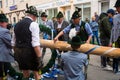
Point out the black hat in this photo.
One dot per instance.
(117, 4)
(59, 15)
(3, 18)
(32, 10)
(76, 41)
(43, 14)
(75, 15)
(111, 11)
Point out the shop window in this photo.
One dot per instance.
(21, 0)
(104, 6)
(55, 12)
(6, 3)
(86, 13)
(68, 15)
(52, 13)
(0, 4)
(13, 2)
(14, 19)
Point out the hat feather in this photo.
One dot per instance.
(78, 9)
(27, 6)
(72, 33)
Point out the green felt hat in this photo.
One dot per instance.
(31, 10)
(3, 18)
(117, 4)
(59, 15)
(43, 14)
(75, 41)
(75, 15)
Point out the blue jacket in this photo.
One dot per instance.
(94, 25)
(73, 63)
(5, 46)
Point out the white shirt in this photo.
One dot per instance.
(60, 25)
(34, 28)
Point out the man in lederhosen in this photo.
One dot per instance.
(27, 44)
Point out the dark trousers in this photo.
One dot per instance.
(104, 60)
(115, 64)
(43, 52)
(4, 66)
(116, 60)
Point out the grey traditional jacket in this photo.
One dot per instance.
(5, 46)
(73, 63)
(64, 25)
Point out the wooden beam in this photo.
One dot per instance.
(93, 49)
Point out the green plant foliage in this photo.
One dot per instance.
(45, 29)
(50, 63)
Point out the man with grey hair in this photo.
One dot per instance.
(27, 44)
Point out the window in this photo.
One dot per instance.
(86, 13)
(68, 15)
(6, 3)
(0, 4)
(21, 0)
(13, 2)
(52, 13)
(55, 12)
(14, 19)
(104, 6)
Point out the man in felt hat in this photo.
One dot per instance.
(5, 47)
(60, 24)
(115, 33)
(5, 50)
(73, 61)
(27, 44)
(49, 24)
(78, 27)
(45, 21)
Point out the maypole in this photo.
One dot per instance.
(85, 48)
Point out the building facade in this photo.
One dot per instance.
(89, 7)
(15, 9)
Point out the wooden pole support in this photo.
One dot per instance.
(93, 49)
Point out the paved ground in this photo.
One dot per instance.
(95, 72)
